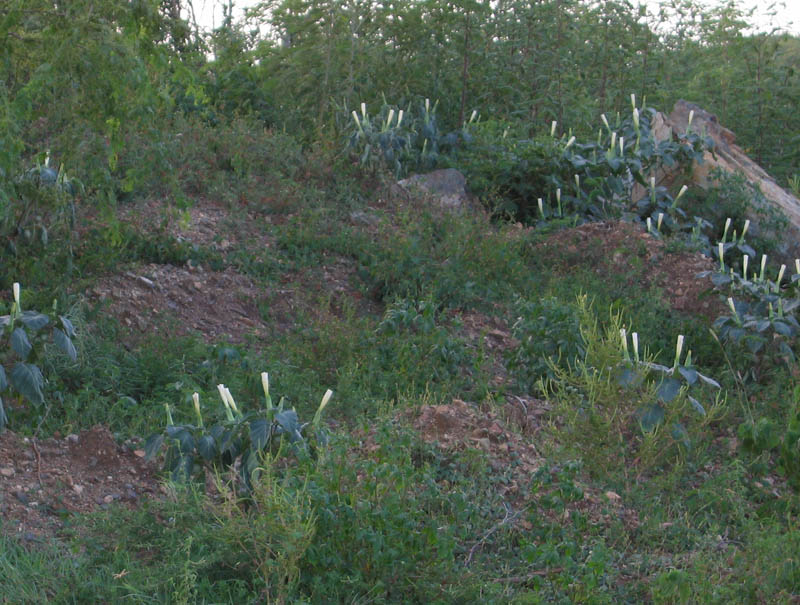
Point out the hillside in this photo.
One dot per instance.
(575, 385)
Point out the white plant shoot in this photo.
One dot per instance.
(746, 227)
(763, 266)
(678, 349)
(633, 100)
(660, 220)
(680, 194)
(623, 334)
(553, 125)
(196, 401)
(745, 262)
(622, 145)
(649, 225)
(635, 339)
(569, 143)
(364, 110)
(797, 265)
(725, 231)
(399, 118)
(541, 207)
(780, 276)
(636, 118)
(721, 251)
(605, 121)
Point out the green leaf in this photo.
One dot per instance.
(3, 417)
(783, 328)
(289, 424)
(183, 437)
(650, 416)
(259, 433)
(20, 343)
(690, 374)
(709, 381)
(3, 379)
(698, 407)
(153, 445)
(68, 327)
(34, 321)
(28, 381)
(681, 435)
(207, 447)
(668, 390)
(182, 470)
(64, 343)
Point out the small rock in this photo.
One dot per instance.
(72, 438)
(613, 496)
(78, 489)
(21, 497)
(108, 499)
(7, 472)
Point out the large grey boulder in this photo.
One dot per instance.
(447, 188)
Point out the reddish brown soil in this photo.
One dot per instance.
(625, 249)
(218, 305)
(44, 481)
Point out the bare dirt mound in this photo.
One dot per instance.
(624, 249)
(219, 305)
(208, 223)
(42, 482)
(459, 426)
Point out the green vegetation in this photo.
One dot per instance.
(539, 403)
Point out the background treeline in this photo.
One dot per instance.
(100, 83)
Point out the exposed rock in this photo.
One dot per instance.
(730, 158)
(447, 188)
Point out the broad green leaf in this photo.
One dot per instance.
(259, 433)
(207, 447)
(650, 416)
(28, 381)
(183, 437)
(20, 343)
(153, 445)
(690, 374)
(681, 435)
(64, 343)
(3, 379)
(4, 320)
(698, 407)
(783, 328)
(629, 377)
(182, 471)
(3, 417)
(34, 321)
(289, 424)
(720, 279)
(709, 381)
(668, 390)
(68, 327)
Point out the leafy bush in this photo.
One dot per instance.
(240, 439)
(763, 312)
(546, 177)
(620, 408)
(550, 337)
(22, 331)
(414, 140)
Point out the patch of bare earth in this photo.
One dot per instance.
(507, 438)
(43, 482)
(208, 223)
(490, 333)
(623, 249)
(218, 305)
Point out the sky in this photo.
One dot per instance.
(209, 12)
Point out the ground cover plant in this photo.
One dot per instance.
(569, 394)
